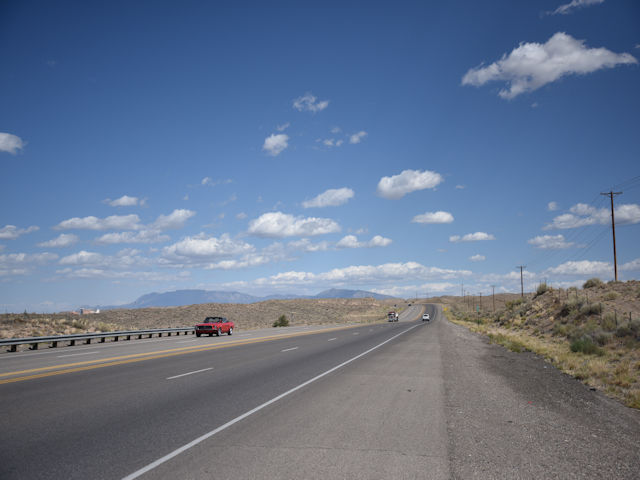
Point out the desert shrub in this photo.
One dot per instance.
(511, 304)
(542, 288)
(283, 321)
(624, 331)
(610, 296)
(592, 282)
(602, 338)
(591, 309)
(609, 322)
(585, 345)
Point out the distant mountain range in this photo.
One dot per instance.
(193, 297)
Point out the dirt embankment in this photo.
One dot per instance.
(245, 316)
(591, 333)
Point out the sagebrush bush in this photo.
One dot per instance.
(542, 288)
(609, 322)
(585, 345)
(283, 321)
(610, 296)
(592, 282)
(591, 309)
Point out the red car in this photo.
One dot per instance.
(217, 325)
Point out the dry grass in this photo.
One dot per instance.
(551, 323)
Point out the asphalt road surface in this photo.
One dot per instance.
(407, 399)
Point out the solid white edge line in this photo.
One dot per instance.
(332, 339)
(289, 349)
(204, 437)
(189, 373)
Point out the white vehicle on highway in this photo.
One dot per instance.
(426, 317)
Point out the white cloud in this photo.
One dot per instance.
(210, 182)
(351, 241)
(573, 5)
(206, 181)
(477, 258)
(283, 127)
(275, 144)
(305, 245)
(533, 65)
(330, 198)
(582, 215)
(114, 222)
(362, 275)
(26, 259)
(408, 291)
(10, 143)
(550, 242)
(335, 130)
(278, 224)
(309, 103)
(143, 236)
(408, 181)
(61, 241)
(241, 216)
(471, 237)
(631, 266)
(202, 247)
(460, 187)
(433, 217)
(552, 206)
(124, 201)
(582, 267)
(174, 220)
(11, 232)
(357, 137)
(82, 258)
(332, 142)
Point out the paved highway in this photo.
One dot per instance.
(393, 400)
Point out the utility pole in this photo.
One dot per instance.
(493, 296)
(521, 267)
(613, 229)
(480, 300)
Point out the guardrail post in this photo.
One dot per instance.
(72, 343)
(128, 337)
(103, 339)
(53, 345)
(14, 348)
(159, 334)
(115, 339)
(34, 346)
(87, 341)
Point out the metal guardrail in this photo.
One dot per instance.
(87, 337)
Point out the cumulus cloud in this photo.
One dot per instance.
(10, 143)
(582, 267)
(361, 275)
(477, 258)
(142, 236)
(471, 237)
(357, 137)
(26, 259)
(309, 103)
(550, 242)
(631, 266)
(275, 144)
(552, 206)
(124, 201)
(202, 247)
(174, 220)
(533, 65)
(113, 222)
(278, 225)
(283, 127)
(332, 142)
(574, 5)
(433, 217)
(305, 245)
(351, 241)
(11, 232)
(82, 258)
(331, 198)
(397, 186)
(61, 241)
(582, 215)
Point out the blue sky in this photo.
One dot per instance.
(290, 147)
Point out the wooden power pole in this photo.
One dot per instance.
(610, 194)
(521, 267)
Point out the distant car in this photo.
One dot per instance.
(217, 325)
(426, 317)
(392, 316)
